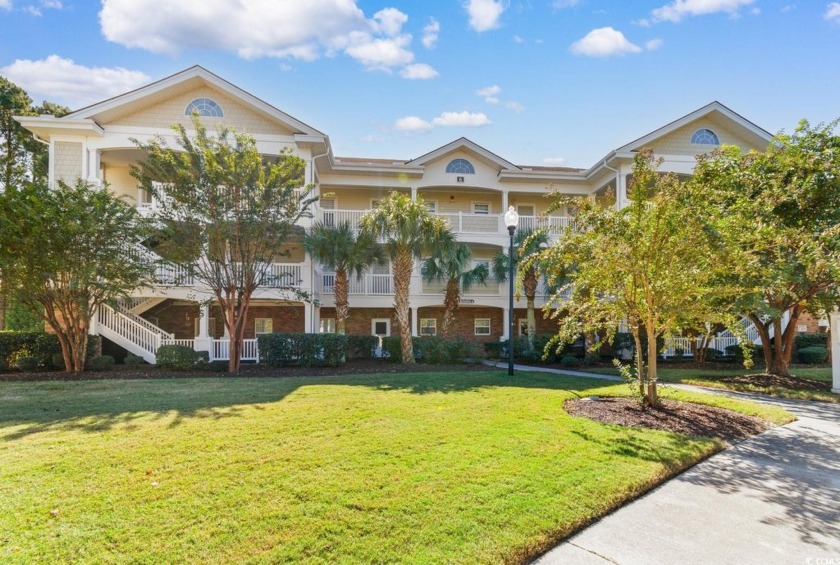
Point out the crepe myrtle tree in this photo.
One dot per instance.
(651, 264)
(65, 252)
(225, 212)
(782, 224)
(407, 231)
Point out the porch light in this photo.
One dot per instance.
(511, 221)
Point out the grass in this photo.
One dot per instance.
(418, 468)
(711, 378)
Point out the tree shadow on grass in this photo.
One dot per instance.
(96, 406)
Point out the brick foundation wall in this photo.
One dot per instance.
(179, 319)
(359, 321)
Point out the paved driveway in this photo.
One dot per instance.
(771, 499)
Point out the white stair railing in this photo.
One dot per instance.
(146, 323)
(127, 333)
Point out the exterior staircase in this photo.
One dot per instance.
(128, 330)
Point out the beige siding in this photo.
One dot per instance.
(354, 198)
(68, 161)
(679, 141)
(171, 111)
(455, 200)
(121, 182)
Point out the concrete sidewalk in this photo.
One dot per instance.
(774, 498)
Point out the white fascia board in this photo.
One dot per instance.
(59, 126)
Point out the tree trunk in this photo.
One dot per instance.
(529, 285)
(450, 302)
(4, 301)
(764, 335)
(652, 398)
(640, 361)
(342, 302)
(403, 266)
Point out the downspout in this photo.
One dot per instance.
(617, 187)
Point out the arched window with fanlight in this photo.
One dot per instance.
(205, 107)
(460, 167)
(704, 136)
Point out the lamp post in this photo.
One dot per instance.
(511, 221)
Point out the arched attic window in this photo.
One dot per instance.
(460, 167)
(205, 107)
(704, 136)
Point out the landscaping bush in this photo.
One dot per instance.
(391, 348)
(305, 350)
(101, 363)
(133, 360)
(57, 361)
(361, 346)
(493, 349)
(713, 355)
(804, 341)
(217, 366)
(813, 354)
(178, 357)
(26, 363)
(570, 361)
(735, 353)
(41, 345)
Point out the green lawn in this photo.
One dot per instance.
(711, 378)
(455, 467)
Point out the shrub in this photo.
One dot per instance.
(57, 361)
(569, 361)
(217, 366)
(133, 360)
(391, 348)
(813, 355)
(591, 358)
(809, 340)
(430, 349)
(305, 350)
(735, 352)
(493, 349)
(26, 363)
(361, 346)
(101, 363)
(40, 345)
(177, 357)
(713, 354)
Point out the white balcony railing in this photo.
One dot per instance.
(464, 222)
(378, 285)
(491, 288)
(554, 224)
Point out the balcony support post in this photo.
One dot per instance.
(203, 341)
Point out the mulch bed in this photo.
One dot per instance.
(768, 381)
(356, 367)
(679, 417)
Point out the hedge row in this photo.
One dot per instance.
(41, 346)
(304, 350)
(810, 340)
(432, 350)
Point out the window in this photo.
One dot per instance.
(428, 326)
(327, 325)
(205, 107)
(460, 167)
(481, 207)
(482, 326)
(705, 136)
(263, 326)
(431, 205)
(327, 206)
(526, 209)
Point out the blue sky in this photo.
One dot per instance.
(540, 82)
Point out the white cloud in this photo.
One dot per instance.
(515, 106)
(489, 93)
(389, 21)
(789, 7)
(484, 14)
(603, 42)
(679, 9)
(554, 161)
(560, 4)
(6, 4)
(653, 44)
(35, 9)
(430, 34)
(462, 119)
(419, 71)
(62, 80)
(518, 39)
(261, 28)
(412, 123)
(832, 13)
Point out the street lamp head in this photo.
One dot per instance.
(511, 219)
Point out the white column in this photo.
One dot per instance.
(93, 165)
(504, 202)
(834, 322)
(414, 321)
(414, 193)
(203, 342)
(506, 324)
(307, 319)
(316, 318)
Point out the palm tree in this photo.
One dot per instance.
(450, 262)
(340, 249)
(407, 229)
(526, 242)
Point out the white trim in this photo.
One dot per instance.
(476, 327)
(481, 203)
(433, 203)
(433, 326)
(264, 320)
(459, 144)
(373, 323)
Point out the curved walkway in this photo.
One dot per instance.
(774, 498)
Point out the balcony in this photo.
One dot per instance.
(280, 275)
(460, 222)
